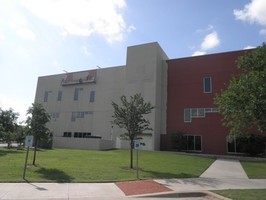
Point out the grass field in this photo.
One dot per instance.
(255, 170)
(96, 166)
(243, 194)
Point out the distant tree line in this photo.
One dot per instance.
(12, 131)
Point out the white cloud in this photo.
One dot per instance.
(253, 12)
(249, 47)
(85, 50)
(198, 53)
(82, 17)
(263, 32)
(210, 41)
(131, 28)
(208, 28)
(26, 34)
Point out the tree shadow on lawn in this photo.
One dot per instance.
(162, 175)
(55, 175)
(4, 151)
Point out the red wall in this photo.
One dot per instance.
(185, 90)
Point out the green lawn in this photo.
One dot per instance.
(255, 169)
(97, 166)
(243, 194)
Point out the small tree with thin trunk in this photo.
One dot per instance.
(130, 117)
(37, 124)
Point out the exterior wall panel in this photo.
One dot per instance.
(186, 90)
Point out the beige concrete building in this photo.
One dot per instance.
(80, 102)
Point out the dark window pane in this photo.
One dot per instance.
(190, 142)
(201, 112)
(207, 85)
(231, 144)
(59, 96)
(198, 143)
(45, 99)
(92, 96)
(187, 115)
(194, 112)
(76, 94)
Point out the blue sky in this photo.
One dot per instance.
(44, 37)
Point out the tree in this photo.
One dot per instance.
(20, 135)
(130, 117)
(8, 124)
(243, 103)
(37, 124)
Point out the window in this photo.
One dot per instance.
(82, 135)
(45, 99)
(236, 144)
(197, 143)
(67, 134)
(59, 95)
(187, 115)
(193, 142)
(92, 96)
(198, 112)
(76, 93)
(46, 94)
(81, 114)
(54, 115)
(207, 85)
(201, 112)
(77, 135)
(86, 135)
(190, 113)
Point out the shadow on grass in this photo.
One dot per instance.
(55, 175)
(156, 174)
(4, 151)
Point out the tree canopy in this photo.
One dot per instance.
(243, 103)
(130, 116)
(8, 125)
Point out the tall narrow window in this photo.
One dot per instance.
(207, 85)
(46, 94)
(92, 96)
(76, 93)
(45, 99)
(59, 95)
(187, 115)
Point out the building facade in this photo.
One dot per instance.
(80, 102)
(192, 85)
(182, 91)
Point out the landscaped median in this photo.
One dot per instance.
(62, 165)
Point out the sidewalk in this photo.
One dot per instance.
(222, 174)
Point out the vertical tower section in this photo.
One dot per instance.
(146, 73)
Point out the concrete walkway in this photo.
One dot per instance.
(222, 174)
(222, 169)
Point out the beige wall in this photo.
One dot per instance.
(85, 144)
(145, 72)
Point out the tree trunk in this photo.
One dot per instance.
(35, 149)
(131, 153)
